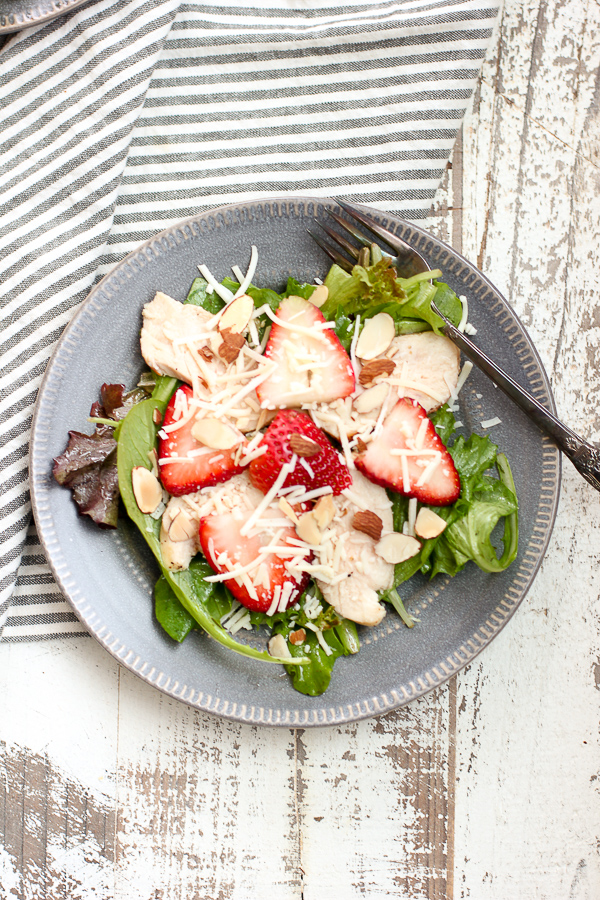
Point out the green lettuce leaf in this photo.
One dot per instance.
(469, 537)
(377, 288)
(365, 288)
(297, 289)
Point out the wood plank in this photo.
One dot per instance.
(527, 817)
(56, 839)
(207, 807)
(374, 805)
(57, 813)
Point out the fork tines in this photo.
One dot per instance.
(333, 254)
(408, 261)
(369, 225)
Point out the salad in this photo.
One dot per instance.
(291, 459)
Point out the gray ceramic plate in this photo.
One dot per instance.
(109, 576)
(18, 14)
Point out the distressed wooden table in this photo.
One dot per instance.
(485, 789)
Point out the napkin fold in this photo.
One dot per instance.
(121, 118)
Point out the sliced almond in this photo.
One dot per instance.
(147, 489)
(231, 346)
(373, 369)
(215, 434)
(428, 524)
(182, 528)
(368, 522)
(298, 637)
(157, 416)
(396, 548)
(237, 315)
(304, 446)
(277, 646)
(376, 336)
(264, 417)
(319, 295)
(372, 398)
(206, 353)
(153, 457)
(307, 528)
(288, 510)
(324, 511)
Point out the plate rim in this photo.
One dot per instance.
(27, 18)
(287, 717)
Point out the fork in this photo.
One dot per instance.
(407, 261)
(584, 456)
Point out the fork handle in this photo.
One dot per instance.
(584, 456)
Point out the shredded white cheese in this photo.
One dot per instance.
(412, 515)
(314, 332)
(465, 372)
(275, 602)
(465, 313)
(285, 470)
(353, 359)
(429, 470)
(223, 292)
(249, 274)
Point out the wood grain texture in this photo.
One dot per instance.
(57, 841)
(527, 817)
(487, 788)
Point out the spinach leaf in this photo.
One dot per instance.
(169, 612)
(340, 635)
(199, 296)
(259, 295)
(314, 677)
(174, 617)
(136, 438)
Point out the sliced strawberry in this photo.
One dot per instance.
(202, 470)
(430, 475)
(320, 469)
(311, 367)
(220, 535)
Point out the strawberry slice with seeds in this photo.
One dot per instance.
(409, 457)
(312, 365)
(319, 463)
(194, 464)
(267, 579)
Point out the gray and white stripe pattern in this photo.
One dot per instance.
(125, 117)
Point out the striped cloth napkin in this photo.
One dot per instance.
(124, 116)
